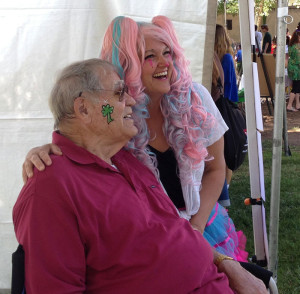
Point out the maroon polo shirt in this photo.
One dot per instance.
(89, 228)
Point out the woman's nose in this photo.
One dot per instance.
(163, 61)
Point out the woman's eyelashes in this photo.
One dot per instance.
(149, 56)
(153, 56)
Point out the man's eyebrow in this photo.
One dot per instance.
(118, 85)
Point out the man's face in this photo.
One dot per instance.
(112, 113)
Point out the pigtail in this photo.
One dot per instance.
(120, 47)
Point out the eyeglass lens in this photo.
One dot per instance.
(122, 93)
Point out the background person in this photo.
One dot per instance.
(267, 40)
(294, 71)
(238, 57)
(274, 45)
(258, 39)
(217, 87)
(288, 81)
(225, 54)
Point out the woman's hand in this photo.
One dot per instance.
(38, 157)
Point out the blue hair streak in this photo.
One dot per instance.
(115, 47)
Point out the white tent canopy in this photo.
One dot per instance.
(38, 37)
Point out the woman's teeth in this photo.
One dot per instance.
(161, 74)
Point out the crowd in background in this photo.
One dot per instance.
(265, 44)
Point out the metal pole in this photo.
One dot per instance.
(287, 150)
(282, 11)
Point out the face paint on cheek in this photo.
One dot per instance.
(150, 62)
(107, 110)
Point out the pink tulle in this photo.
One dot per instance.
(241, 254)
(221, 234)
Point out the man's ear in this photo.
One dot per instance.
(82, 109)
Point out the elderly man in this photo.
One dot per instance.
(97, 220)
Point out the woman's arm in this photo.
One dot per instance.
(38, 157)
(212, 184)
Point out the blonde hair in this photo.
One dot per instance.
(222, 42)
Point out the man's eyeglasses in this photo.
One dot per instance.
(119, 91)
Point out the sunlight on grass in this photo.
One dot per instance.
(289, 225)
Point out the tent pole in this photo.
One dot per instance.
(282, 11)
(245, 16)
(287, 150)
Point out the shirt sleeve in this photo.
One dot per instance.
(230, 87)
(220, 126)
(46, 226)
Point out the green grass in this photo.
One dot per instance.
(288, 275)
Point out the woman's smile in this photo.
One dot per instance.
(157, 68)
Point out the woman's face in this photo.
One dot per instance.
(157, 68)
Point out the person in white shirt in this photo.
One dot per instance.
(258, 37)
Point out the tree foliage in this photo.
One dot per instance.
(262, 7)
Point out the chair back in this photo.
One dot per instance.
(18, 271)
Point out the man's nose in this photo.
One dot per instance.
(129, 100)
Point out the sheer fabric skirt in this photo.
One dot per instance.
(221, 234)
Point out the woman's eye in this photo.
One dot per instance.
(167, 53)
(149, 56)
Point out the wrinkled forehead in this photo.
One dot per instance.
(109, 78)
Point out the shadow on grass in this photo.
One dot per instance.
(289, 225)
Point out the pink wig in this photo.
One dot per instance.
(120, 47)
(186, 121)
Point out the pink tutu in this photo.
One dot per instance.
(221, 234)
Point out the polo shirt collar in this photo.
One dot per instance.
(77, 153)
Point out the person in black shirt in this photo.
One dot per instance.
(267, 40)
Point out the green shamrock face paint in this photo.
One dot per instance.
(107, 110)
